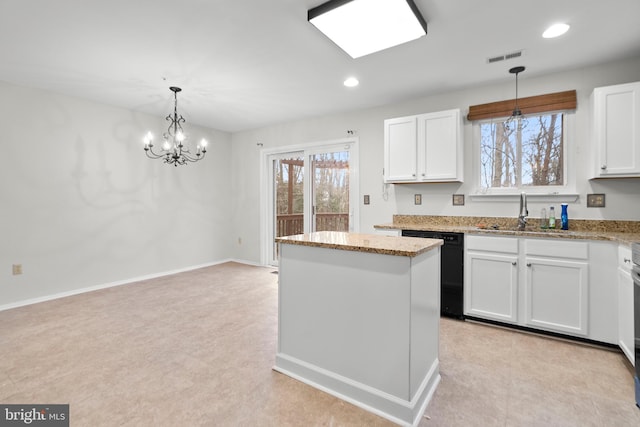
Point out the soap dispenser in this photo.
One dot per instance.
(564, 217)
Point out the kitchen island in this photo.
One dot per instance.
(358, 317)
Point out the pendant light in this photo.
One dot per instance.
(516, 114)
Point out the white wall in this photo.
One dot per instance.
(622, 196)
(82, 206)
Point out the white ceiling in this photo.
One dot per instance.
(245, 64)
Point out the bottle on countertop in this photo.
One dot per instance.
(564, 217)
(552, 217)
(543, 218)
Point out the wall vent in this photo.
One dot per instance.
(504, 57)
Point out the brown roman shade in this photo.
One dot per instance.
(534, 104)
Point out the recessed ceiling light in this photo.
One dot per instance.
(556, 30)
(351, 82)
(361, 27)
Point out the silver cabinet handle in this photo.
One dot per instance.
(603, 167)
(528, 264)
(514, 263)
(627, 260)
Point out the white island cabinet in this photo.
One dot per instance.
(358, 317)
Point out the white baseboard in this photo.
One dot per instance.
(116, 283)
(255, 264)
(400, 411)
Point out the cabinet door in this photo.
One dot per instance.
(491, 286)
(556, 295)
(439, 146)
(617, 130)
(400, 150)
(625, 314)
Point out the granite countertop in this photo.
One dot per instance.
(625, 232)
(358, 242)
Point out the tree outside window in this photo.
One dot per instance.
(530, 154)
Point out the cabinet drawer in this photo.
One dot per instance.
(557, 248)
(507, 245)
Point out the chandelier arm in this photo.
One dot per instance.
(153, 155)
(190, 158)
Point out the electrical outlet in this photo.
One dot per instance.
(17, 269)
(458, 200)
(367, 200)
(417, 199)
(595, 200)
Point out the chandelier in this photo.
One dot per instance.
(173, 151)
(516, 114)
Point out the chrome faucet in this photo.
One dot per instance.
(522, 217)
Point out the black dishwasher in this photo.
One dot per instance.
(451, 269)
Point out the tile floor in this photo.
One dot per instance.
(197, 349)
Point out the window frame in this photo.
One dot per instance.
(562, 191)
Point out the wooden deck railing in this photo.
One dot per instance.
(288, 225)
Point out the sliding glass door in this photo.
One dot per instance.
(310, 189)
(330, 191)
(288, 195)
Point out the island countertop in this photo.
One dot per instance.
(359, 242)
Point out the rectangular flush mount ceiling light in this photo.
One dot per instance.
(361, 27)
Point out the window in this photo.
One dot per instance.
(527, 155)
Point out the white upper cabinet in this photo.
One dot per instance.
(401, 149)
(616, 130)
(423, 148)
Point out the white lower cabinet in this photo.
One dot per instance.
(491, 278)
(557, 295)
(625, 304)
(537, 283)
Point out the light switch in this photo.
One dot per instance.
(595, 200)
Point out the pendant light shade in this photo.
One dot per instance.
(516, 115)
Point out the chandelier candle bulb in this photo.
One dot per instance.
(148, 138)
